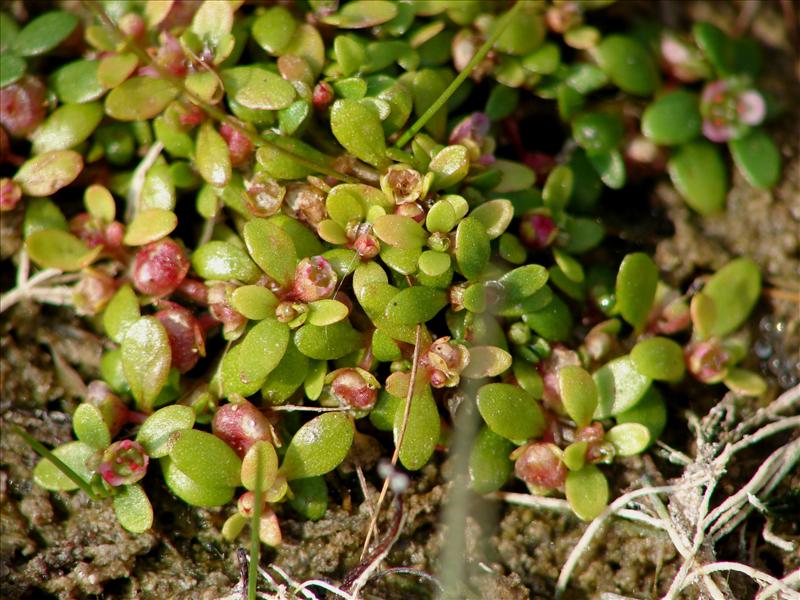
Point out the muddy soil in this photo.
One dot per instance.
(63, 546)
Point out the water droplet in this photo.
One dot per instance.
(762, 348)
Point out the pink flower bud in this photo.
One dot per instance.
(352, 388)
(239, 145)
(160, 267)
(367, 246)
(540, 464)
(221, 309)
(240, 425)
(314, 279)
(123, 463)
(186, 337)
(132, 25)
(560, 356)
(537, 231)
(707, 361)
(322, 96)
(23, 106)
(10, 194)
(445, 361)
(412, 210)
(91, 294)
(115, 413)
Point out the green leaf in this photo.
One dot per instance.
(45, 174)
(90, 427)
(319, 446)
(361, 14)
(574, 456)
(254, 302)
(133, 509)
(495, 215)
(269, 466)
(329, 342)
(673, 119)
(523, 34)
(149, 225)
(515, 176)
(449, 166)
(745, 382)
(56, 249)
(155, 434)
(735, 290)
(122, 310)
(434, 263)
(99, 203)
(489, 465)
(140, 98)
(44, 33)
(400, 231)
(545, 60)
(192, 492)
(309, 497)
(73, 454)
(619, 387)
(659, 358)
(12, 68)
(116, 68)
(246, 366)
(510, 411)
(472, 247)
(650, 411)
(274, 29)
(757, 158)
(558, 188)
(597, 132)
(502, 102)
(422, 431)
(486, 361)
(610, 167)
(146, 360)
(258, 88)
(553, 322)
(272, 249)
(699, 174)
(77, 81)
(326, 312)
(359, 130)
(523, 282)
(629, 439)
(67, 126)
(206, 459)
(223, 262)
(285, 379)
(213, 159)
(587, 492)
(629, 65)
(578, 394)
(636, 288)
(416, 304)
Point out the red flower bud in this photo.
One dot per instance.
(10, 194)
(537, 231)
(353, 389)
(240, 425)
(115, 413)
(186, 337)
(322, 96)
(160, 267)
(123, 463)
(314, 279)
(239, 145)
(22, 106)
(540, 464)
(707, 361)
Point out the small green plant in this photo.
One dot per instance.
(336, 210)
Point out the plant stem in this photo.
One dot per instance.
(451, 89)
(255, 540)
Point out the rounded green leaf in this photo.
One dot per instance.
(619, 387)
(133, 509)
(553, 321)
(472, 247)
(155, 434)
(254, 302)
(595, 132)
(319, 446)
(77, 81)
(745, 382)
(246, 366)
(76, 456)
(56, 249)
(587, 492)
(67, 126)
(258, 88)
(636, 288)
(400, 231)
(495, 215)
(515, 176)
(673, 119)
(523, 34)
(287, 377)
(629, 439)
(610, 167)
(522, 282)
(510, 411)
(558, 188)
(100, 203)
(423, 429)
(326, 312)
(192, 492)
(735, 289)
(699, 174)
(358, 129)
(441, 217)
(360, 14)
(44, 33)
(574, 456)
(757, 158)
(116, 68)
(486, 361)
(45, 174)
(489, 465)
(140, 98)
(659, 358)
(122, 310)
(434, 263)
(309, 497)
(650, 411)
(12, 68)
(146, 360)
(206, 459)
(416, 304)
(269, 466)
(223, 262)
(629, 65)
(449, 166)
(90, 427)
(271, 248)
(213, 159)
(149, 225)
(578, 394)
(274, 29)
(329, 342)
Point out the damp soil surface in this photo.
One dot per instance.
(58, 545)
